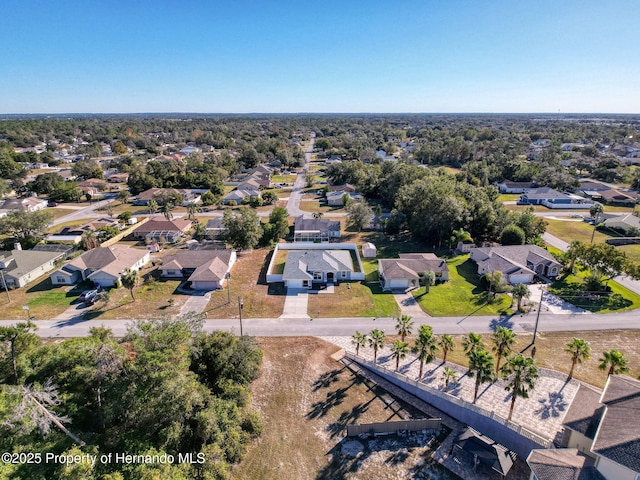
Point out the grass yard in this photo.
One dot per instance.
(509, 197)
(306, 399)
(58, 212)
(570, 231)
(283, 178)
(248, 280)
(43, 299)
(353, 300)
(462, 294)
(632, 251)
(317, 206)
(550, 351)
(570, 288)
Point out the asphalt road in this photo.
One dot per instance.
(293, 204)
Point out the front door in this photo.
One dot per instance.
(330, 277)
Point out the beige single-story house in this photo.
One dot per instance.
(103, 265)
(205, 269)
(518, 263)
(404, 273)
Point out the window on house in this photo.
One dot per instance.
(60, 279)
(343, 274)
(317, 276)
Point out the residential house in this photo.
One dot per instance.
(204, 269)
(187, 196)
(507, 186)
(92, 186)
(616, 197)
(118, 178)
(551, 198)
(177, 226)
(344, 187)
(315, 230)
(518, 263)
(30, 204)
(336, 198)
(405, 272)
(250, 184)
(625, 222)
(214, 228)
(602, 432)
(303, 268)
(20, 267)
(103, 265)
(239, 195)
(74, 234)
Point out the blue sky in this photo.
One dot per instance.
(122, 56)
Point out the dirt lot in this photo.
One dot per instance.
(306, 399)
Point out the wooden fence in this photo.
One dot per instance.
(390, 427)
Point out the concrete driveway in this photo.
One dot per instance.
(295, 304)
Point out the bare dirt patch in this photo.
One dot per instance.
(306, 399)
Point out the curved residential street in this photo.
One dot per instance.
(293, 204)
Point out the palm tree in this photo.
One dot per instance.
(359, 340)
(428, 279)
(481, 367)
(521, 374)
(579, 351)
(495, 282)
(192, 210)
(575, 250)
(129, 280)
(399, 350)
(595, 209)
(318, 215)
(152, 206)
(425, 346)
(449, 375)
(446, 344)
(520, 291)
(376, 341)
(472, 342)
(123, 196)
(166, 210)
(404, 326)
(89, 241)
(615, 361)
(503, 339)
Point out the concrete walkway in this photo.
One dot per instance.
(408, 305)
(295, 303)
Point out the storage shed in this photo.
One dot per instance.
(369, 250)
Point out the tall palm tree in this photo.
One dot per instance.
(613, 360)
(192, 210)
(521, 374)
(520, 291)
(503, 339)
(446, 345)
(166, 210)
(404, 326)
(425, 346)
(376, 341)
(359, 340)
(449, 375)
(579, 350)
(399, 351)
(317, 215)
(472, 342)
(480, 367)
(129, 280)
(89, 241)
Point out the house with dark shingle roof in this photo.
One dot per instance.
(607, 446)
(205, 269)
(315, 230)
(404, 273)
(507, 186)
(518, 263)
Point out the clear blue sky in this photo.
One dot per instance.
(121, 56)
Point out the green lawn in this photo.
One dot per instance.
(570, 231)
(570, 288)
(462, 294)
(509, 197)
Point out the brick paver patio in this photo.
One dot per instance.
(542, 413)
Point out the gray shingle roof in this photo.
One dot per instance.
(316, 225)
(585, 411)
(562, 464)
(618, 437)
(300, 263)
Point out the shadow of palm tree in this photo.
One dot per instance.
(552, 406)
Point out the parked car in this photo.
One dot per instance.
(51, 203)
(576, 215)
(87, 294)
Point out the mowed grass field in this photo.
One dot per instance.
(462, 294)
(570, 231)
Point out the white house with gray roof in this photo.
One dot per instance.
(306, 267)
(518, 263)
(20, 267)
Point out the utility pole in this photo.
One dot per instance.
(228, 287)
(240, 306)
(535, 329)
